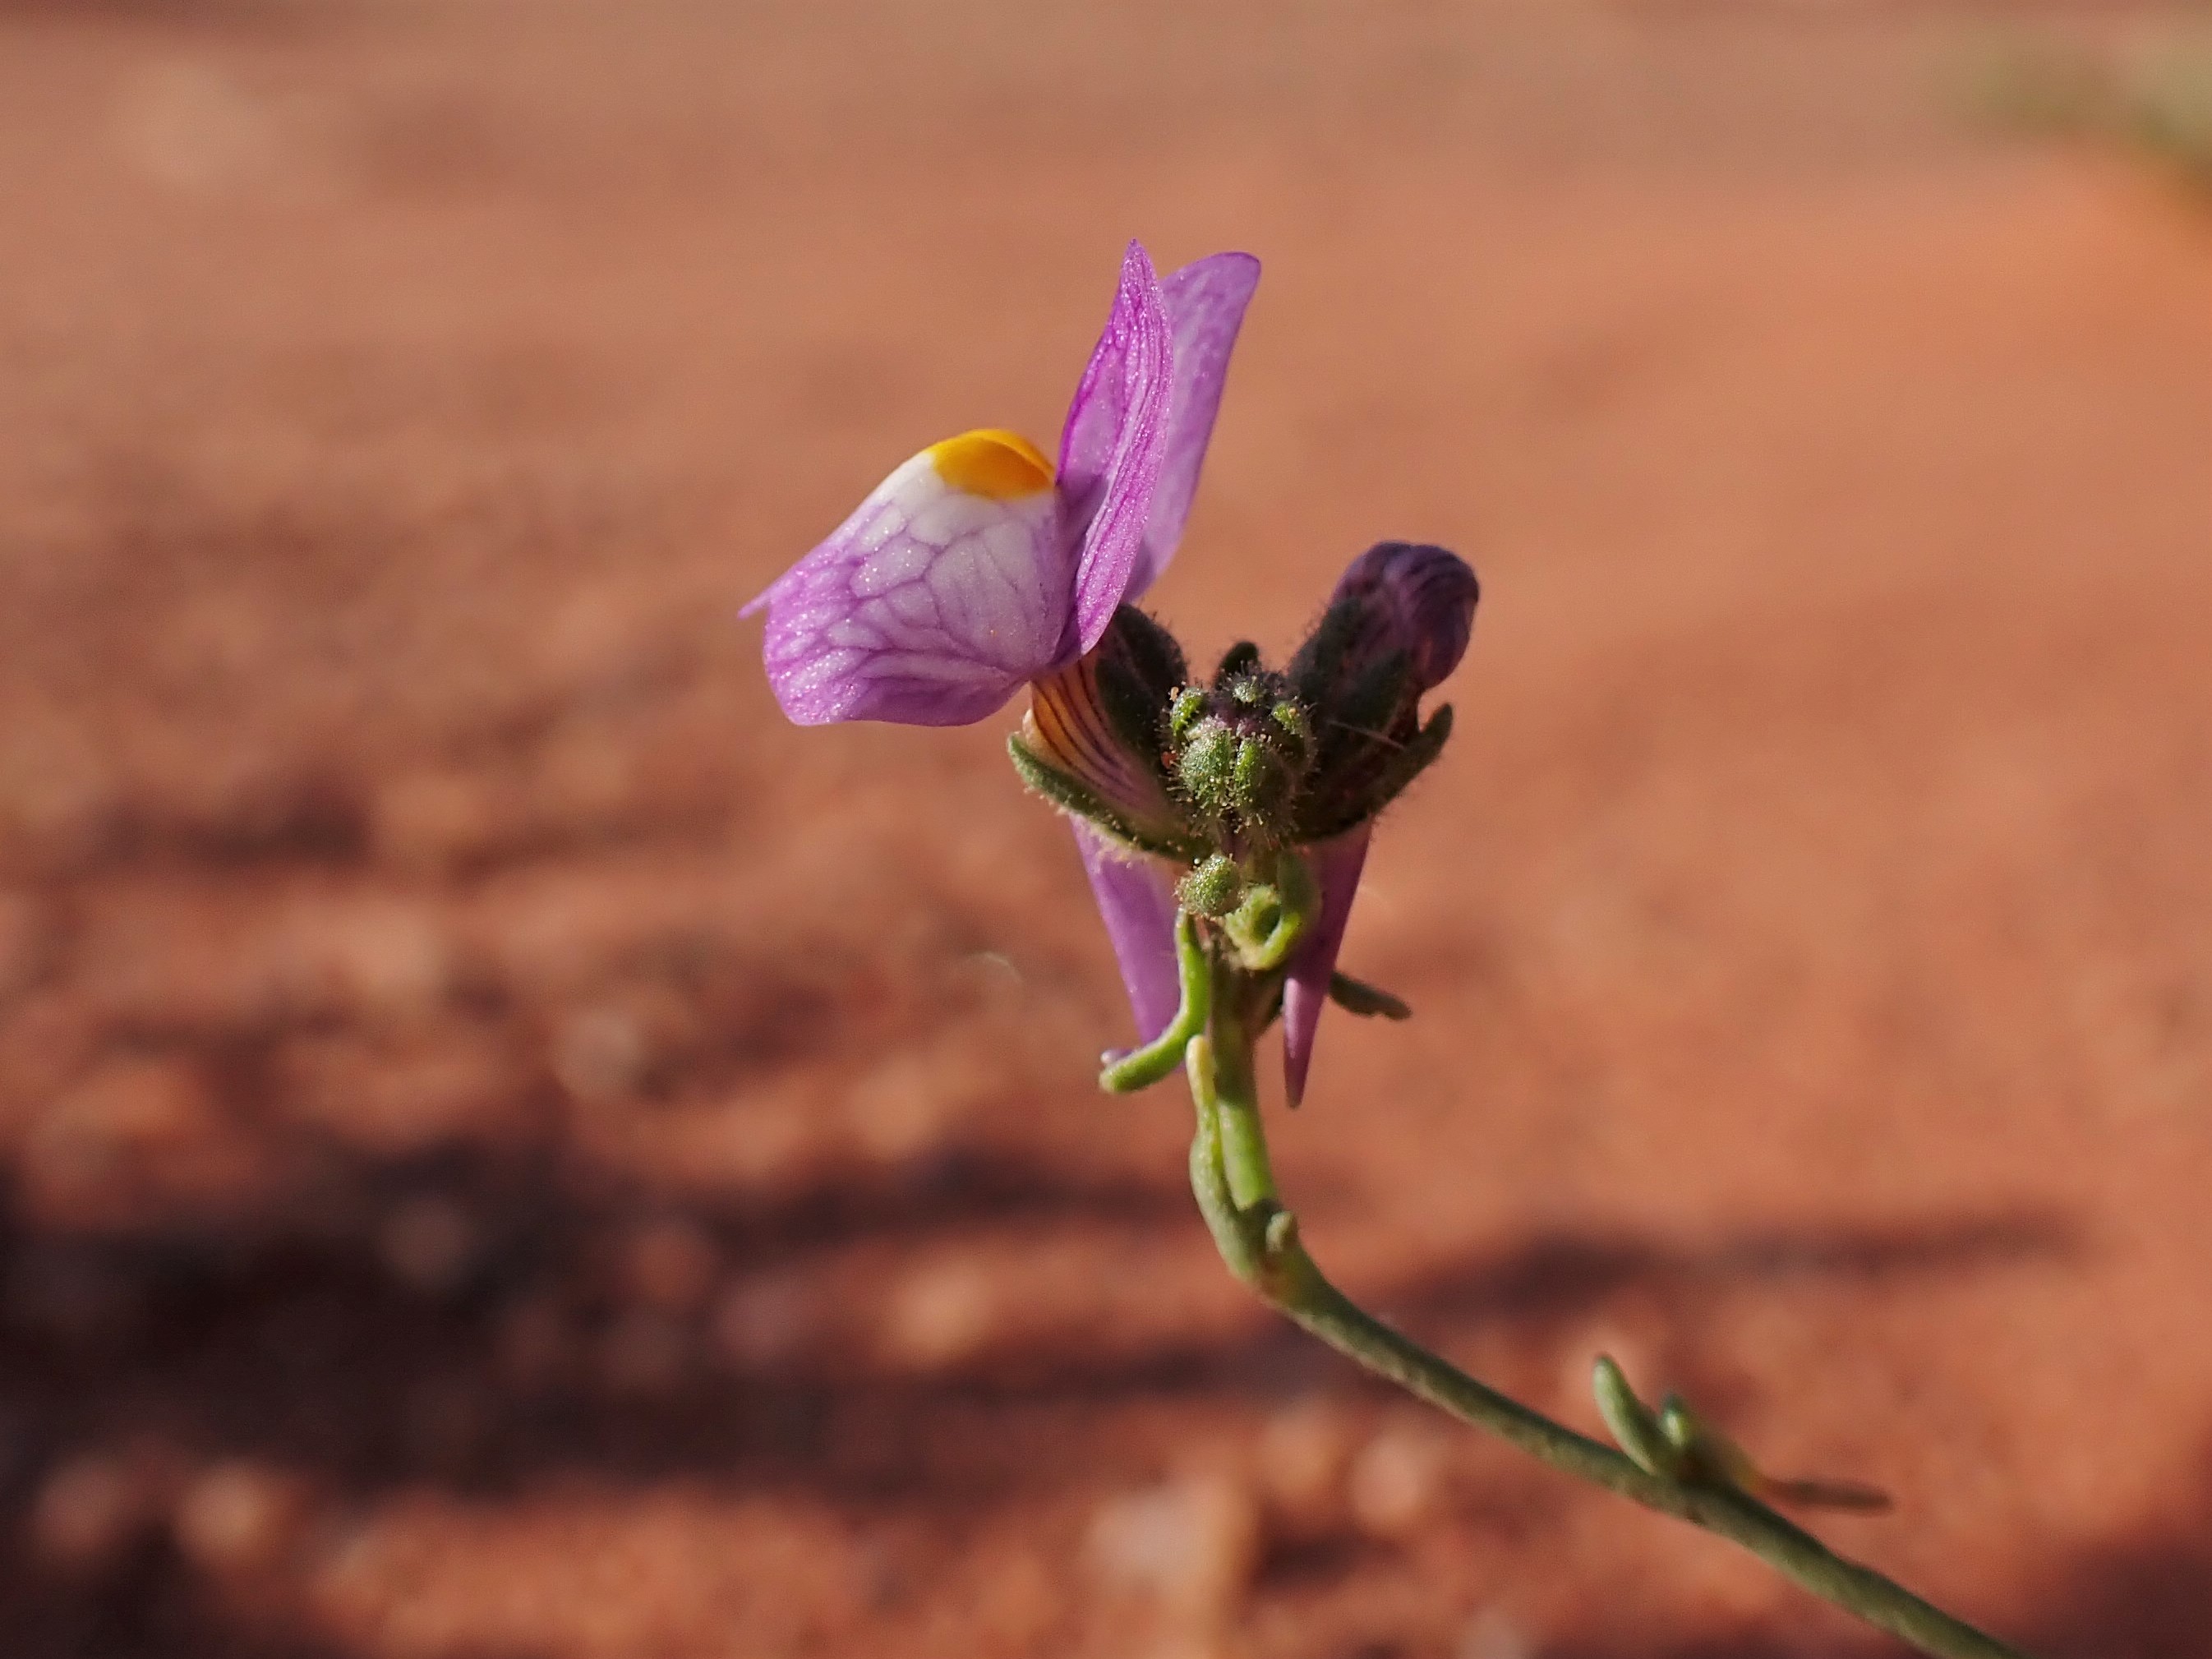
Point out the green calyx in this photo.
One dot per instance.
(1076, 798)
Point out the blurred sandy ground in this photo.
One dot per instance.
(514, 1152)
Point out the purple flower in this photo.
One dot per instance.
(1396, 626)
(976, 567)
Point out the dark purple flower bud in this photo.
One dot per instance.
(1397, 597)
(1397, 624)
(1421, 598)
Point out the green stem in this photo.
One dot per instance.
(1243, 1138)
(1258, 1241)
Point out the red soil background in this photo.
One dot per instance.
(512, 1151)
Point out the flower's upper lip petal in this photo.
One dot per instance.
(1113, 445)
(945, 591)
(1337, 864)
(1136, 901)
(1205, 302)
(1099, 410)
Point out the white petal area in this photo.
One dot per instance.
(952, 517)
(886, 523)
(894, 566)
(929, 606)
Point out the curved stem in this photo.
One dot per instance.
(1258, 1241)
(1142, 1068)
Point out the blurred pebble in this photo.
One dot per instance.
(671, 1264)
(1302, 1454)
(1491, 1635)
(375, 956)
(601, 1054)
(944, 1312)
(91, 1509)
(1396, 1481)
(1017, 1602)
(428, 1242)
(47, 1040)
(236, 1516)
(769, 1142)
(397, 1098)
(352, 1556)
(194, 129)
(59, 796)
(645, 1354)
(901, 1110)
(431, 821)
(127, 1112)
(766, 1320)
(1194, 1544)
(129, 1104)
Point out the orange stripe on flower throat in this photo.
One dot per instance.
(988, 462)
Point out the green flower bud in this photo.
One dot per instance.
(1241, 750)
(1207, 766)
(1215, 888)
(1185, 711)
(1262, 782)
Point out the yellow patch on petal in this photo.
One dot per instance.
(999, 466)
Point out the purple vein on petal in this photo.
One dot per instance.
(1068, 726)
(945, 591)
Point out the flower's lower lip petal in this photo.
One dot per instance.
(1137, 902)
(1336, 866)
(948, 588)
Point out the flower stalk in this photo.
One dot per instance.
(1673, 1464)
